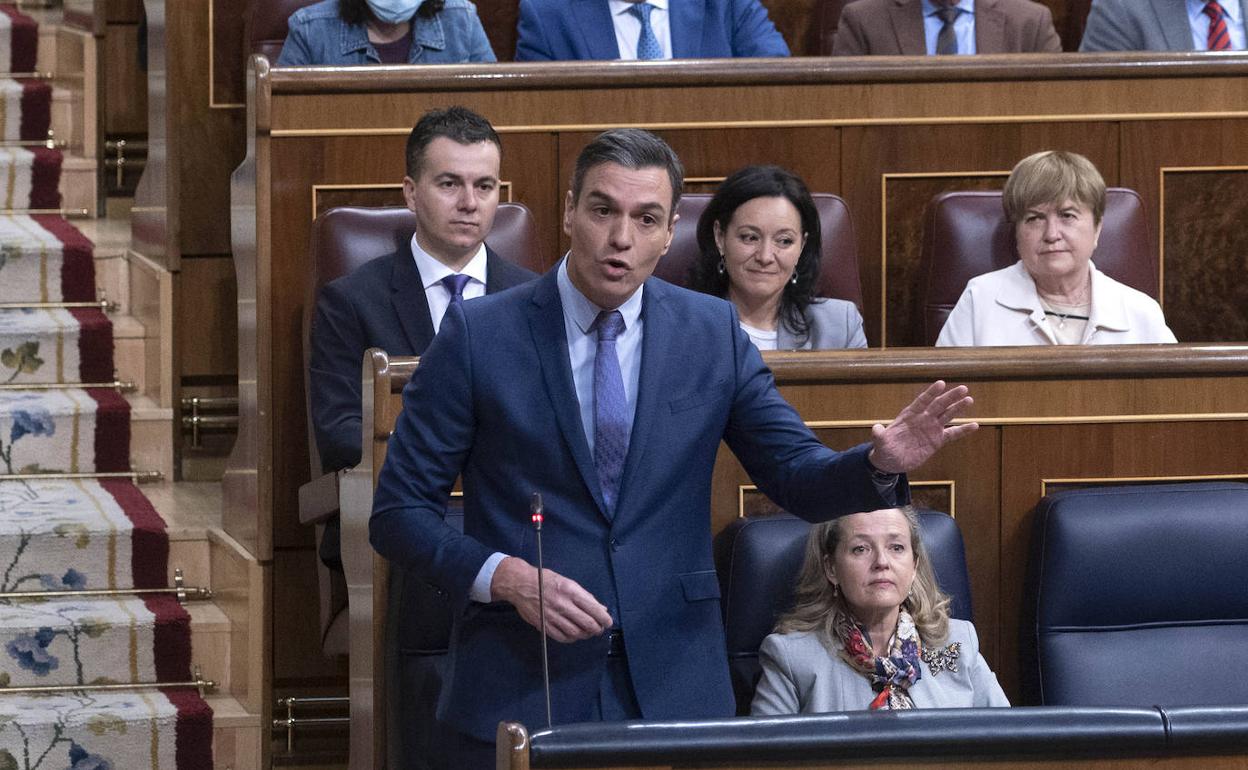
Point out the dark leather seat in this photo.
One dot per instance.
(758, 559)
(965, 234)
(838, 268)
(1137, 597)
(266, 26)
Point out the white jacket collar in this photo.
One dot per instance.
(1109, 310)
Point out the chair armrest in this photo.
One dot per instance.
(319, 498)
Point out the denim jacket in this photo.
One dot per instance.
(318, 35)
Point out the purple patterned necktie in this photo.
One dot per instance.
(455, 284)
(610, 409)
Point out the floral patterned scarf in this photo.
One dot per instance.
(891, 676)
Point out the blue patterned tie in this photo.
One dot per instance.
(647, 44)
(610, 409)
(455, 284)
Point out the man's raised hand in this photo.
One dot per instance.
(921, 429)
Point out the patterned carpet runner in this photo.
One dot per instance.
(60, 537)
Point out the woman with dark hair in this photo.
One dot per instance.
(870, 628)
(760, 243)
(345, 32)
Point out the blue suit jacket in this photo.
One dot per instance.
(494, 399)
(379, 304)
(563, 30)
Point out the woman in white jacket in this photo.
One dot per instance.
(1053, 295)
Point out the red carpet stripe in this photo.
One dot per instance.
(36, 109)
(95, 345)
(78, 270)
(194, 730)
(23, 40)
(45, 179)
(112, 430)
(172, 636)
(149, 540)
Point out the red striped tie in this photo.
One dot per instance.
(1219, 36)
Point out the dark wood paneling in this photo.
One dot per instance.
(499, 19)
(125, 85)
(297, 656)
(207, 317)
(228, 51)
(1205, 244)
(873, 152)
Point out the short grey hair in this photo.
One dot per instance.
(633, 148)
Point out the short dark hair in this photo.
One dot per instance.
(633, 148)
(459, 124)
(742, 187)
(356, 11)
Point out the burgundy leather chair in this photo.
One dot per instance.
(343, 239)
(266, 25)
(838, 267)
(965, 234)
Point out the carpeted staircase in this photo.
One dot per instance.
(111, 658)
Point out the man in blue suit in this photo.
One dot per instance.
(608, 392)
(564, 30)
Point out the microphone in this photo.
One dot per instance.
(538, 514)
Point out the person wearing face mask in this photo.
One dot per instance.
(760, 243)
(870, 628)
(1053, 295)
(346, 32)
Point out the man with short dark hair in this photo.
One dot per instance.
(943, 27)
(607, 392)
(564, 30)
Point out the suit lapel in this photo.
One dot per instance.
(408, 298)
(593, 22)
(685, 19)
(1172, 16)
(661, 352)
(907, 21)
(550, 339)
(493, 273)
(989, 27)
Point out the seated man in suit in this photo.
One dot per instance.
(658, 29)
(396, 302)
(1165, 25)
(608, 392)
(919, 27)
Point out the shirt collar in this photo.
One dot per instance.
(1196, 9)
(432, 271)
(583, 312)
(966, 6)
(619, 7)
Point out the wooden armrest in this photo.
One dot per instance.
(318, 499)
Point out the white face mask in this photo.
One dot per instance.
(393, 11)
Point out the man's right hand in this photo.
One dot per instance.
(572, 613)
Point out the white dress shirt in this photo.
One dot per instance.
(628, 27)
(432, 272)
(579, 315)
(1200, 24)
(963, 26)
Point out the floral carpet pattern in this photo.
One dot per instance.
(62, 538)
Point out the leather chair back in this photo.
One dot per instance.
(965, 234)
(838, 267)
(1136, 597)
(758, 559)
(266, 25)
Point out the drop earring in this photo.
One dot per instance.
(793, 280)
(721, 268)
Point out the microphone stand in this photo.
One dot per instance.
(537, 513)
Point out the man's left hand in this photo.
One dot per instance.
(920, 429)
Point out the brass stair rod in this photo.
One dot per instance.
(107, 306)
(51, 144)
(124, 387)
(139, 477)
(67, 213)
(291, 721)
(184, 594)
(199, 683)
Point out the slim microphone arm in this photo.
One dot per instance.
(536, 510)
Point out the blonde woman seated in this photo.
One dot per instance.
(1053, 295)
(870, 629)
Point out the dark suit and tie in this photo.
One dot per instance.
(896, 28)
(563, 30)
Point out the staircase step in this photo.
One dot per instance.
(67, 117)
(64, 431)
(94, 640)
(237, 735)
(78, 184)
(54, 345)
(143, 729)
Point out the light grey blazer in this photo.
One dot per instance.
(1140, 25)
(834, 323)
(801, 676)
